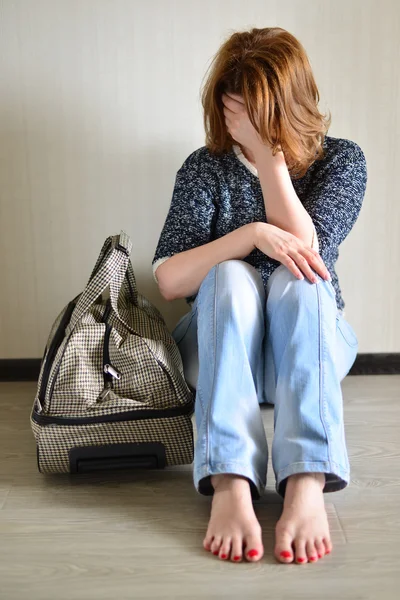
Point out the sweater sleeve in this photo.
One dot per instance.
(334, 200)
(189, 220)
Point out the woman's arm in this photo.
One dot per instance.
(283, 208)
(335, 199)
(282, 205)
(181, 275)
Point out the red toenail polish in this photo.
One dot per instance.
(313, 558)
(236, 558)
(328, 552)
(301, 559)
(286, 554)
(215, 553)
(223, 555)
(252, 553)
(319, 555)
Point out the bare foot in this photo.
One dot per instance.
(302, 532)
(233, 524)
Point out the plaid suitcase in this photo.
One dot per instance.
(111, 391)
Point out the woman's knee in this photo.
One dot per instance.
(236, 280)
(232, 297)
(285, 288)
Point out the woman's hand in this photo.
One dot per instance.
(290, 251)
(238, 123)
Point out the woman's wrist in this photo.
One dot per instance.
(258, 229)
(263, 153)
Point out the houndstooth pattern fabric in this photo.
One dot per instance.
(49, 339)
(54, 443)
(150, 365)
(138, 345)
(110, 273)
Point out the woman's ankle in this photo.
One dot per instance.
(300, 482)
(228, 481)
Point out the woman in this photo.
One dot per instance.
(251, 240)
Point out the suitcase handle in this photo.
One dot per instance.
(142, 455)
(110, 271)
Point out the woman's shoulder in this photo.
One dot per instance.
(203, 158)
(341, 151)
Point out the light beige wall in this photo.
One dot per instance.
(99, 106)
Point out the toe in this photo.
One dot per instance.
(283, 548)
(311, 551)
(328, 545)
(320, 548)
(236, 553)
(253, 548)
(207, 542)
(216, 545)
(301, 554)
(225, 550)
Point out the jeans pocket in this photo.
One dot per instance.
(347, 331)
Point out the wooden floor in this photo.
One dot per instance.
(120, 536)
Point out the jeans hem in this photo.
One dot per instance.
(337, 478)
(202, 478)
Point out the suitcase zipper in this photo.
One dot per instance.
(131, 415)
(109, 372)
(109, 375)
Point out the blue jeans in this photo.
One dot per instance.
(288, 346)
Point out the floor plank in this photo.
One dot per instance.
(139, 535)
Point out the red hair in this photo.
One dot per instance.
(269, 68)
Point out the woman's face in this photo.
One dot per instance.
(240, 97)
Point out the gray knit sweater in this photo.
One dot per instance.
(214, 195)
